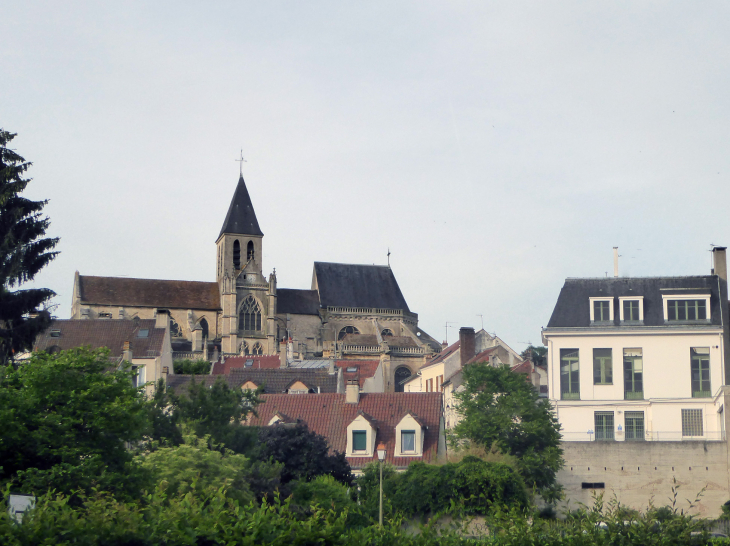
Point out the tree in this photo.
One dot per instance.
(500, 410)
(538, 355)
(304, 454)
(23, 253)
(67, 419)
(189, 367)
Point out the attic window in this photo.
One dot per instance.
(143, 332)
(55, 333)
(347, 330)
(351, 369)
(387, 332)
(249, 363)
(105, 315)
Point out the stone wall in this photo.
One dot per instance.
(642, 472)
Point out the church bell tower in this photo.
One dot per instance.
(243, 288)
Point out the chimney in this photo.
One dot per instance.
(615, 261)
(719, 268)
(127, 352)
(162, 318)
(282, 354)
(165, 372)
(719, 262)
(352, 391)
(467, 344)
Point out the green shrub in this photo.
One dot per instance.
(190, 367)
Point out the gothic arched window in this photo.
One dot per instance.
(175, 330)
(257, 349)
(249, 318)
(387, 332)
(249, 251)
(204, 325)
(401, 374)
(347, 330)
(236, 254)
(244, 348)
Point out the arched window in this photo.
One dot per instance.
(347, 330)
(257, 349)
(387, 332)
(249, 251)
(175, 330)
(236, 254)
(204, 325)
(244, 348)
(401, 374)
(249, 319)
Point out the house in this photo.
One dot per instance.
(637, 375)
(367, 373)
(409, 424)
(143, 343)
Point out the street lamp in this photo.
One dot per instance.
(381, 458)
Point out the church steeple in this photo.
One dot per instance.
(241, 218)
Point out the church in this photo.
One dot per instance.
(350, 312)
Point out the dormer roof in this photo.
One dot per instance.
(241, 218)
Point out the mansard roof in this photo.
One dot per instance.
(126, 292)
(241, 218)
(109, 333)
(572, 309)
(350, 285)
(297, 302)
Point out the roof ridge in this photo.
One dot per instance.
(140, 279)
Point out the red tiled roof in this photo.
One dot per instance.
(523, 367)
(443, 354)
(329, 415)
(120, 291)
(483, 356)
(365, 369)
(110, 333)
(266, 362)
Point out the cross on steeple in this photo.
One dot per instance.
(241, 162)
(388, 257)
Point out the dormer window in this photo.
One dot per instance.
(688, 308)
(361, 436)
(408, 441)
(601, 310)
(631, 309)
(409, 437)
(359, 441)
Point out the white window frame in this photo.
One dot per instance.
(667, 297)
(621, 301)
(358, 424)
(408, 423)
(610, 308)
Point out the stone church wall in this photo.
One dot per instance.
(639, 473)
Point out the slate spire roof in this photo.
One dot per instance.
(241, 217)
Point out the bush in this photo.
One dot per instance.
(191, 367)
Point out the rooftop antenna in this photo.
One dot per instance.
(388, 256)
(447, 330)
(481, 317)
(241, 162)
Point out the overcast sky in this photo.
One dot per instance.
(495, 148)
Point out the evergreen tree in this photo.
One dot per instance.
(23, 253)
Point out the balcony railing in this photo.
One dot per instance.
(634, 395)
(701, 394)
(570, 396)
(649, 436)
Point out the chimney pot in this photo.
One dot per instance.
(615, 261)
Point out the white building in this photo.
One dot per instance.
(640, 358)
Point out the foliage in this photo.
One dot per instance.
(538, 355)
(23, 253)
(66, 419)
(194, 467)
(188, 366)
(471, 486)
(500, 409)
(303, 453)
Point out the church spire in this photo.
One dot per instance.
(241, 218)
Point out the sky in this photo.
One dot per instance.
(495, 148)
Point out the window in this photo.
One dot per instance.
(439, 383)
(569, 378)
(351, 369)
(347, 330)
(604, 425)
(429, 385)
(700, 372)
(236, 254)
(602, 367)
(692, 422)
(175, 330)
(631, 310)
(634, 421)
(249, 318)
(55, 333)
(408, 441)
(204, 326)
(401, 375)
(387, 333)
(244, 349)
(138, 379)
(248, 363)
(249, 251)
(105, 315)
(601, 311)
(633, 374)
(257, 349)
(686, 309)
(359, 440)
(593, 485)
(143, 332)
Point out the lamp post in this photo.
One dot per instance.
(381, 458)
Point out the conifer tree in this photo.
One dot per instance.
(24, 251)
